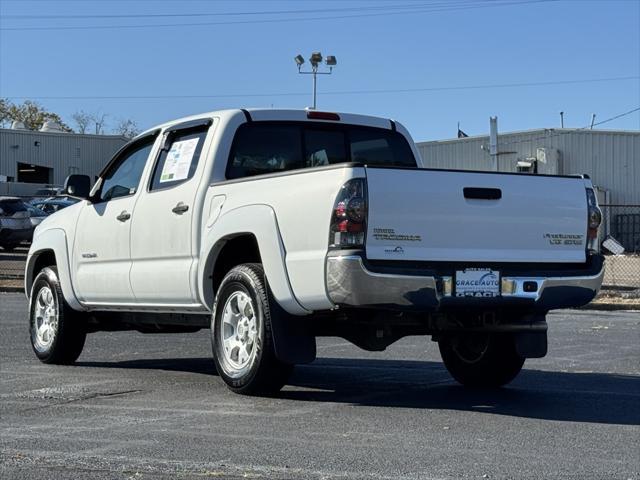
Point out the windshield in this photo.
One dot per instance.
(268, 147)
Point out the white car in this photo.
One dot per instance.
(274, 227)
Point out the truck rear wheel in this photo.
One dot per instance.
(57, 331)
(241, 333)
(481, 360)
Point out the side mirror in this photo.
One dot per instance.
(77, 185)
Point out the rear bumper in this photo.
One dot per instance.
(351, 282)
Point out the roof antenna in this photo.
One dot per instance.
(593, 119)
(561, 119)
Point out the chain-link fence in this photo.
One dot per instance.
(12, 261)
(622, 223)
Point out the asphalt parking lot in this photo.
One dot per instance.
(150, 406)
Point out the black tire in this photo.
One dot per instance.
(481, 360)
(263, 374)
(67, 332)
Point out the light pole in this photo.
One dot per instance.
(316, 60)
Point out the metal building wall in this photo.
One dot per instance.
(610, 158)
(65, 153)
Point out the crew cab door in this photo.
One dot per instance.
(166, 217)
(101, 252)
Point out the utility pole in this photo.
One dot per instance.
(316, 60)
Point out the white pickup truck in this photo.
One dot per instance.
(274, 227)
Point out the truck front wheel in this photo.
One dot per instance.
(241, 333)
(57, 331)
(481, 360)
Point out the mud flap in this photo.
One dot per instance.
(293, 342)
(531, 344)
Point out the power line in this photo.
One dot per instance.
(249, 13)
(415, 10)
(344, 92)
(611, 119)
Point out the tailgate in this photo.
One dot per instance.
(431, 215)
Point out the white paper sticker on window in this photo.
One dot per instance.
(178, 161)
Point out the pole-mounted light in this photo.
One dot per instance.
(316, 60)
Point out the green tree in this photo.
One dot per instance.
(31, 113)
(5, 119)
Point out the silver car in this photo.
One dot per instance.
(15, 222)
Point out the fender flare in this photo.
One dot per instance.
(54, 239)
(260, 221)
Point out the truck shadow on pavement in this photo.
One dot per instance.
(564, 396)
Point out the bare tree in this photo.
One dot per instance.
(83, 120)
(99, 120)
(127, 128)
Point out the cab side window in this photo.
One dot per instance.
(123, 178)
(177, 162)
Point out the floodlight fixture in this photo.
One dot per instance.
(316, 62)
(315, 59)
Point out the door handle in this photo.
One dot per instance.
(482, 193)
(124, 216)
(180, 208)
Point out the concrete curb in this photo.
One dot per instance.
(610, 307)
(7, 289)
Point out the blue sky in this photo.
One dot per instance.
(466, 43)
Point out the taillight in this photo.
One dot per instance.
(594, 219)
(349, 216)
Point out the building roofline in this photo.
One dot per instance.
(68, 134)
(543, 131)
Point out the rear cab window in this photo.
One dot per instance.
(271, 147)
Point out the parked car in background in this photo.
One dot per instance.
(45, 193)
(52, 205)
(15, 222)
(36, 215)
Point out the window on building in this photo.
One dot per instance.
(28, 173)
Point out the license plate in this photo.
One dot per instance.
(477, 282)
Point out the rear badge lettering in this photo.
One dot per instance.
(390, 235)
(557, 239)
